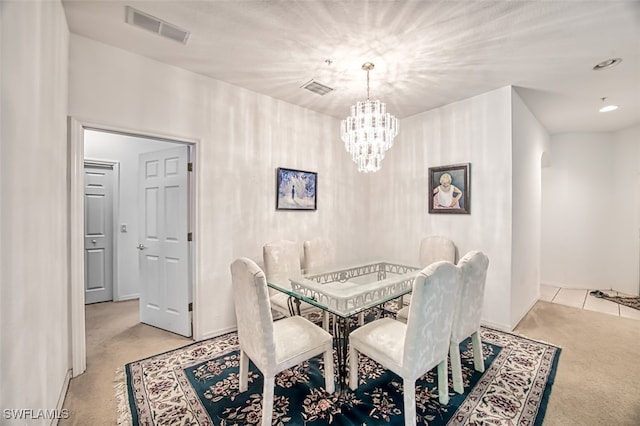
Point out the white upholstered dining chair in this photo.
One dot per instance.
(433, 249)
(272, 346)
(466, 321)
(281, 261)
(319, 253)
(410, 350)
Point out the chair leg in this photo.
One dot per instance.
(456, 367)
(325, 321)
(443, 383)
(353, 368)
(405, 300)
(329, 381)
(267, 400)
(478, 359)
(244, 371)
(409, 391)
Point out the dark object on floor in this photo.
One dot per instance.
(630, 301)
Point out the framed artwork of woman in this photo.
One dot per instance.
(449, 189)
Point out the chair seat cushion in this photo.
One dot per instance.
(297, 339)
(382, 340)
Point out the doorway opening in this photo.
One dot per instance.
(153, 227)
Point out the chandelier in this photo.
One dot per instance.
(369, 131)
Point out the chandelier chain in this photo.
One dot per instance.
(368, 66)
(368, 93)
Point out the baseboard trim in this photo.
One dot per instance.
(500, 327)
(127, 297)
(553, 284)
(61, 398)
(526, 312)
(212, 334)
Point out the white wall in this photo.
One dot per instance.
(530, 140)
(34, 310)
(475, 130)
(590, 211)
(242, 138)
(627, 235)
(124, 150)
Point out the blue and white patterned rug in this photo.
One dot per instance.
(198, 385)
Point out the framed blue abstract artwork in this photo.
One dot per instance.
(296, 189)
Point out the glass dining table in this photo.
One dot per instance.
(346, 292)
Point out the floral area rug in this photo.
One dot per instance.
(198, 385)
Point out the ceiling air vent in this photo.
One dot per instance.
(317, 88)
(155, 25)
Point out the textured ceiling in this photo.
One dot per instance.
(426, 53)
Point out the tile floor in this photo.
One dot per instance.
(581, 299)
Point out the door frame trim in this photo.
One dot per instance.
(75, 128)
(115, 206)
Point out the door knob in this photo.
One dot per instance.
(141, 247)
(93, 241)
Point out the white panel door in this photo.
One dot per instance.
(163, 246)
(98, 233)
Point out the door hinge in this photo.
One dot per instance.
(190, 307)
(190, 236)
(189, 167)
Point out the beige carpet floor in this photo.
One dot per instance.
(115, 337)
(598, 377)
(597, 382)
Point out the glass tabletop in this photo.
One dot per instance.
(349, 290)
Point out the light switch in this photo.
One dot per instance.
(123, 227)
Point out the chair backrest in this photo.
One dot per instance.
(253, 312)
(435, 248)
(473, 276)
(318, 253)
(281, 259)
(430, 319)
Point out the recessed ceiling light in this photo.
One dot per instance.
(607, 64)
(609, 108)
